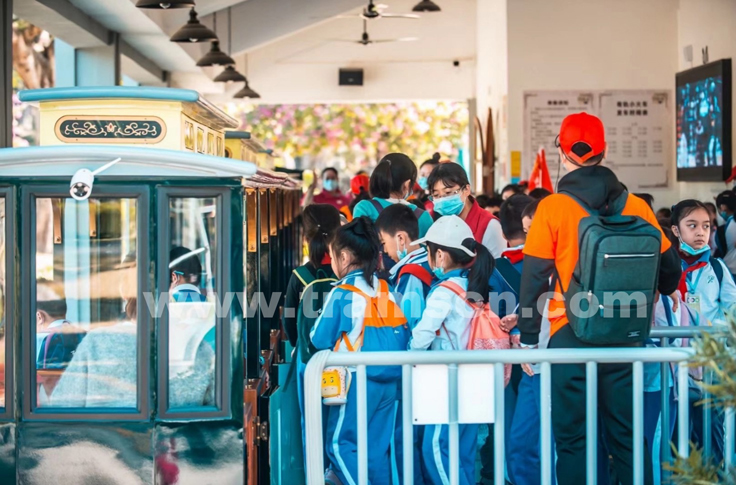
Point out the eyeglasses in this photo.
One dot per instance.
(433, 197)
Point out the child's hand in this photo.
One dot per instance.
(509, 322)
(527, 368)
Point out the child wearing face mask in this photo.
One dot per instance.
(344, 326)
(391, 183)
(460, 263)
(450, 190)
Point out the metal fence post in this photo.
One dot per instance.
(313, 417)
(591, 423)
(546, 423)
(638, 424)
(499, 427)
(683, 423)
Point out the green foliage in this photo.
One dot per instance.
(697, 470)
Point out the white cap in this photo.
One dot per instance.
(448, 231)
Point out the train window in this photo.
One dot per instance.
(3, 319)
(192, 294)
(86, 303)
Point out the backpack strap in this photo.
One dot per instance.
(721, 242)
(304, 275)
(418, 271)
(615, 208)
(455, 288)
(715, 263)
(509, 274)
(418, 212)
(376, 205)
(382, 296)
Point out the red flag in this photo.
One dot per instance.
(540, 173)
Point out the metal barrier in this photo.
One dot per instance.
(591, 357)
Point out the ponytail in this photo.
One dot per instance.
(359, 237)
(479, 268)
(320, 223)
(389, 176)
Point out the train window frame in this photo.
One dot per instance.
(31, 412)
(7, 194)
(223, 284)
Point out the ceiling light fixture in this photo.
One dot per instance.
(247, 91)
(215, 57)
(165, 5)
(426, 6)
(193, 31)
(229, 75)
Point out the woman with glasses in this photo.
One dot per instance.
(449, 188)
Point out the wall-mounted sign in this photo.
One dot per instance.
(118, 129)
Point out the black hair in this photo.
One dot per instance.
(684, 208)
(667, 230)
(363, 195)
(515, 188)
(55, 308)
(480, 268)
(391, 174)
(330, 169)
(398, 217)
(320, 223)
(359, 237)
(539, 193)
(190, 267)
(727, 198)
(664, 213)
(512, 211)
(485, 201)
(435, 160)
(648, 198)
(530, 209)
(449, 174)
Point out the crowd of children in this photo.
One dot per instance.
(420, 244)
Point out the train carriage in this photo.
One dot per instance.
(140, 309)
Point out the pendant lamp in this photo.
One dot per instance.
(247, 92)
(229, 75)
(426, 6)
(215, 57)
(193, 31)
(165, 4)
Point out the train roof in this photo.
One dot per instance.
(141, 162)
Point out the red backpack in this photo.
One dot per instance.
(485, 327)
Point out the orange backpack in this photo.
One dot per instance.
(485, 327)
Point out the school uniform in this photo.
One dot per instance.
(730, 256)
(365, 208)
(445, 325)
(343, 314)
(411, 294)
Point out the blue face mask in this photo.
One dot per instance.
(449, 206)
(438, 272)
(724, 215)
(423, 183)
(329, 184)
(401, 253)
(687, 249)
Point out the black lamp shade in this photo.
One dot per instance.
(215, 57)
(193, 31)
(426, 6)
(230, 75)
(247, 92)
(165, 4)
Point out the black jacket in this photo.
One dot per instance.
(598, 187)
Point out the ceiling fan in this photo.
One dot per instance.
(375, 11)
(365, 39)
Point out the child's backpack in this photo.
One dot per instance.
(59, 346)
(420, 272)
(485, 327)
(316, 288)
(617, 266)
(384, 329)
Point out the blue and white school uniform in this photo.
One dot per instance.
(715, 299)
(449, 314)
(344, 312)
(411, 295)
(365, 208)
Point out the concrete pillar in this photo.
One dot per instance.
(6, 73)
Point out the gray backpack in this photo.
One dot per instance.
(611, 294)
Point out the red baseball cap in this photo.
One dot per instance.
(582, 137)
(360, 181)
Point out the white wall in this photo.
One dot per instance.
(587, 44)
(703, 23)
(304, 67)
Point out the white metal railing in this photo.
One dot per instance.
(591, 357)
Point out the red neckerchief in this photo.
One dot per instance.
(514, 255)
(478, 220)
(683, 279)
(326, 260)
